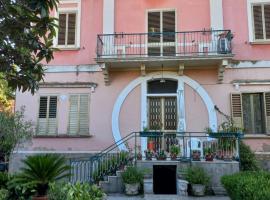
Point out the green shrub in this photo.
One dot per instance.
(3, 180)
(57, 191)
(40, 170)
(84, 191)
(248, 160)
(3, 194)
(132, 175)
(247, 185)
(196, 175)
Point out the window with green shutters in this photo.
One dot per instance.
(47, 119)
(252, 112)
(79, 114)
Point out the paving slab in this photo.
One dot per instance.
(163, 197)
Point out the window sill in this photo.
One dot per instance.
(256, 136)
(68, 48)
(63, 136)
(260, 42)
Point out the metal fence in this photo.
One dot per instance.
(190, 146)
(169, 44)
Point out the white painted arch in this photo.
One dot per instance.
(143, 81)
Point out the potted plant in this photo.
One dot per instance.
(151, 144)
(174, 151)
(40, 171)
(132, 179)
(139, 156)
(161, 155)
(198, 179)
(209, 154)
(196, 155)
(148, 154)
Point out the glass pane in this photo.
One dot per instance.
(154, 51)
(169, 51)
(154, 27)
(62, 29)
(267, 20)
(258, 22)
(71, 29)
(168, 26)
(253, 114)
(161, 87)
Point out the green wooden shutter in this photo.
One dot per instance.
(62, 29)
(73, 115)
(236, 109)
(79, 115)
(267, 111)
(83, 115)
(52, 116)
(71, 29)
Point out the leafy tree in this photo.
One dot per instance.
(14, 130)
(26, 38)
(6, 95)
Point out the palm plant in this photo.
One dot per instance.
(40, 170)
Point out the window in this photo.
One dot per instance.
(79, 114)
(67, 29)
(162, 105)
(252, 112)
(47, 122)
(161, 29)
(261, 21)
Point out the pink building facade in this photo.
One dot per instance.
(124, 64)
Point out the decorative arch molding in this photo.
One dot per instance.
(142, 81)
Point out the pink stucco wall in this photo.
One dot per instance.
(104, 98)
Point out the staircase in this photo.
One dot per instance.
(113, 184)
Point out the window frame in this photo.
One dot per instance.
(263, 112)
(47, 113)
(161, 43)
(162, 96)
(251, 26)
(67, 10)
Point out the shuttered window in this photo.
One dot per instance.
(252, 112)
(67, 29)
(47, 122)
(79, 114)
(261, 21)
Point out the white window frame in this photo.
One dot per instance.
(161, 43)
(77, 11)
(250, 4)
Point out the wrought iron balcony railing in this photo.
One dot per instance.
(166, 44)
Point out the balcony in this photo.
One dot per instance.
(190, 46)
(171, 50)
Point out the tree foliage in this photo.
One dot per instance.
(6, 95)
(26, 38)
(14, 130)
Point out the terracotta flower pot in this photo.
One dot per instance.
(151, 145)
(40, 198)
(209, 157)
(173, 156)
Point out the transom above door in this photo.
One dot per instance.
(161, 33)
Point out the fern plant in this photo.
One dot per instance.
(40, 170)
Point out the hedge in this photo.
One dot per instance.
(248, 185)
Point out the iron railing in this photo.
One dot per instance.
(168, 44)
(194, 146)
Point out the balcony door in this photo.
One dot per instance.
(161, 33)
